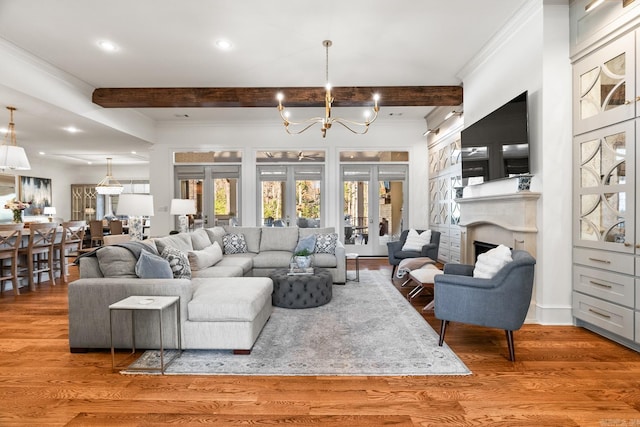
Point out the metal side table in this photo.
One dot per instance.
(155, 303)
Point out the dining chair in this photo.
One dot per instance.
(70, 245)
(39, 252)
(115, 227)
(10, 240)
(97, 233)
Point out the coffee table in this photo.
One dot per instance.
(301, 290)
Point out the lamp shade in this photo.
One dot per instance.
(13, 157)
(49, 210)
(135, 205)
(182, 207)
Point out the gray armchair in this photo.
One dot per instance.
(500, 302)
(396, 254)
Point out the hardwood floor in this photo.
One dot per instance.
(563, 376)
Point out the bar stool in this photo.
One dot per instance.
(39, 252)
(10, 241)
(70, 245)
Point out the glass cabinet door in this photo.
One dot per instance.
(604, 86)
(604, 179)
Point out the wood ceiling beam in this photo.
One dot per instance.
(390, 96)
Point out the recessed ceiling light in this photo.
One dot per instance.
(4, 130)
(133, 152)
(42, 153)
(223, 44)
(72, 129)
(107, 46)
(89, 163)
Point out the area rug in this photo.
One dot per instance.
(368, 328)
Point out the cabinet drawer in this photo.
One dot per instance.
(454, 257)
(444, 240)
(613, 287)
(455, 234)
(611, 317)
(614, 261)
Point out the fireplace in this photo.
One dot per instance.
(508, 219)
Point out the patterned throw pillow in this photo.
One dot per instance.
(234, 243)
(326, 243)
(178, 261)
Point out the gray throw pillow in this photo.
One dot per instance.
(178, 261)
(308, 243)
(150, 266)
(115, 261)
(234, 243)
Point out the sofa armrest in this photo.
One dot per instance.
(89, 301)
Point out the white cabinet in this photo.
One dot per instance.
(606, 254)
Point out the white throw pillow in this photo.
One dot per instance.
(416, 241)
(490, 262)
(207, 257)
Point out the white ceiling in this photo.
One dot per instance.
(277, 43)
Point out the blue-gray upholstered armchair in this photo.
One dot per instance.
(396, 254)
(500, 302)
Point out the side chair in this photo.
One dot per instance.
(396, 254)
(499, 302)
(10, 241)
(96, 231)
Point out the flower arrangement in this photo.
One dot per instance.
(16, 207)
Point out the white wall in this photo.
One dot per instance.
(533, 54)
(253, 137)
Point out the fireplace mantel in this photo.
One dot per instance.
(508, 219)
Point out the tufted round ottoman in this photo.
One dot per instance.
(302, 290)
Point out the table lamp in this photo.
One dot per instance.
(51, 211)
(182, 208)
(135, 206)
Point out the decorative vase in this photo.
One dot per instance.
(524, 182)
(17, 216)
(303, 261)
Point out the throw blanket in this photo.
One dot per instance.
(135, 248)
(408, 264)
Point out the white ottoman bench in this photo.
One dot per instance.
(422, 277)
(227, 313)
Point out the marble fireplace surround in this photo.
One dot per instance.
(508, 219)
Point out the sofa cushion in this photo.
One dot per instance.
(244, 261)
(200, 239)
(251, 236)
(324, 261)
(216, 234)
(178, 261)
(234, 243)
(278, 239)
(272, 259)
(115, 261)
(180, 241)
(150, 266)
(234, 299)
(415, 241)
(326, 243)
(218, 271)
(211, 255)
(308, 243)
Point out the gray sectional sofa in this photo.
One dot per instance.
(222, 306)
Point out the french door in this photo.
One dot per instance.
(216, 190)
(373, 206)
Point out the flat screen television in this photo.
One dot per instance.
(497, 146)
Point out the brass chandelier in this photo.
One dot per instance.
(356, 127)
